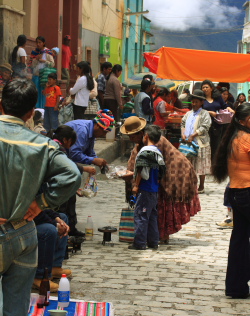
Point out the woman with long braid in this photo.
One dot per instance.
(233, 159)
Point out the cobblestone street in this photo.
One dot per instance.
(185, 277)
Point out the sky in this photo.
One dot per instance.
(181, 15)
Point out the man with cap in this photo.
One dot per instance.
(66, 59)
(83, 152)
(143, 103)
(87, 130)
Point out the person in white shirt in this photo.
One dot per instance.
(84, 84)
(19, 57)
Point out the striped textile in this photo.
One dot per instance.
(126, 228)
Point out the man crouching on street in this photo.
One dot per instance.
(27, 160)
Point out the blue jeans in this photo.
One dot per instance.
(145, 217)
(51, 248)
(41, 97)
(238, 268)
(18, 261)
(50, 118)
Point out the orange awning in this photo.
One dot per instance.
(190, 64)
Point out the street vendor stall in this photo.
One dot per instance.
(195, 65)
(190, 64)
(173, 127)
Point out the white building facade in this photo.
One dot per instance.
(244, 47)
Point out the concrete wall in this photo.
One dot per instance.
(15, 4)
(244, 87)
(91, 40)
(132, 39)
(103, 19)
(136, 38)
(11, 25)
(30, 20)
(115, 51)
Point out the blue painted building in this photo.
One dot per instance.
(136, 38)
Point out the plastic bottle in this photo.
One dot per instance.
(63, 292)
(89, 229)
(45, 287)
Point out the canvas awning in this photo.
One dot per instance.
(197, 65)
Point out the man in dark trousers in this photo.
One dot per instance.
(106, 69)
(28, 161)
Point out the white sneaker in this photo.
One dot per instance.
(226, 223)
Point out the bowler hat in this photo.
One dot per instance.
(132, 125)
(6, 66)
(198, 94)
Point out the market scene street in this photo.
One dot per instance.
(186, 277)
(124, 157)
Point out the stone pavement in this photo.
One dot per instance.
(185, 277)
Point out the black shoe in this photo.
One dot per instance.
(76, 232)
(153, 247)
(134, 247)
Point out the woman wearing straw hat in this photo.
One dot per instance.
(177, 198)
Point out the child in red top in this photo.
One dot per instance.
(52, 93)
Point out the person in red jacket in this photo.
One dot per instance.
(66, 59)
(162, 108)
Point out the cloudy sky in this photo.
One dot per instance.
(181, 15)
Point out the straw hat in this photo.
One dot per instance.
(7, 67)
(132, 125)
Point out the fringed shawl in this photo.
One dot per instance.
(180, 180)
(36, 52)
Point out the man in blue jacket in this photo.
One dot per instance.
(83, 152)
(87, 131)
(27, 160)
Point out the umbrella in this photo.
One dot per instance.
(135, 81)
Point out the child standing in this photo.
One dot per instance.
(149, 169)
(52, 93)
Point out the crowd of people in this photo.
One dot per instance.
(162, 178)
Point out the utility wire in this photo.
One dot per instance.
(197, 34)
